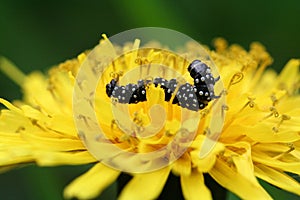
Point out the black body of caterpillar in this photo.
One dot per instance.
(193, 97)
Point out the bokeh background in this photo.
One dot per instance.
(36, 35)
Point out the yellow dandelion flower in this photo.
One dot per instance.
(260, 137)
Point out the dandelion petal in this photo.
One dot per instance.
(236, 182)
(277, 178)
(92, 183)
(193, 187)
(145, 186)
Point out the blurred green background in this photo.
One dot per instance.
(38, 34)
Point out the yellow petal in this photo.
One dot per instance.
(277, 178)
(266, 82)
(205, 163)
(44, 140)
(236, 182)
(48, 158)
(290, 74)
(92, 183)
(10, 106)
(14, 150)
(61, 86)
(8, 158)
(272, 148)
(183, 165)
(243, 162)
(145, 186)
(263, 158)
(263, 132)
(38, 94)
(12, 122)
(193, 187)
(288, 106)
(63, 124)
(33, 113)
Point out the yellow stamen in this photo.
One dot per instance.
(274, 113)
(236, 78)
(12, 71)
(283, 118)
(291, 148)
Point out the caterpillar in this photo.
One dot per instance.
(193, 97)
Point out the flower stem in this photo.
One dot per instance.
(12, 71)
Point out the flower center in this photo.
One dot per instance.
(148, 104)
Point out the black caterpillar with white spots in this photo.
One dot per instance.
(193, 97)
